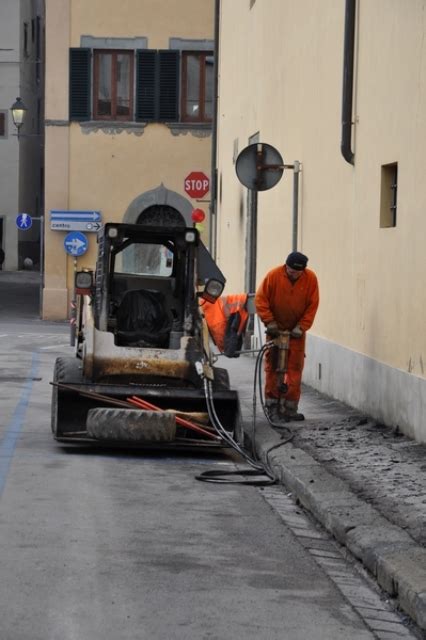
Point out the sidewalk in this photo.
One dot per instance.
(362, 481)
(20, 295)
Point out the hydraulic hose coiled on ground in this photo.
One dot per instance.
(258, 468)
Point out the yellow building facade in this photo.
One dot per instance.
(129, 106)
(362, 222)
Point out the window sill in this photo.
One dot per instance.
(133, 124)
(190, 125)
(197, 129)
(117, 126)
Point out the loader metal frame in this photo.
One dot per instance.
(120, 363)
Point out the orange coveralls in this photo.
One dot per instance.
(217, 313)
(287, 303)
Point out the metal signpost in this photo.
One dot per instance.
(87, 221)
(75, 244)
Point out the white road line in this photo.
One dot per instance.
(37, 336)
(40, 336)
(55, 346)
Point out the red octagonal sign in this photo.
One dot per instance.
(197, 184)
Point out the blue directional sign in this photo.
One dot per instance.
(24, 221)
(63, 220)
(76, 243)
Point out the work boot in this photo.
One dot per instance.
(275, 416)
(291, 412)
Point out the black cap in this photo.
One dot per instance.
(297, 261)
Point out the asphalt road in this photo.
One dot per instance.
(107, 545)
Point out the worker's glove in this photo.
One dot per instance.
(272, 330)
(297, 332)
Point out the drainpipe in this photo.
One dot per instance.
(296, 171)
(213, 190)
(348, 78)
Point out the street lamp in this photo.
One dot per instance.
(18, 110)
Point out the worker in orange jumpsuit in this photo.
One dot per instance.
(287, 299)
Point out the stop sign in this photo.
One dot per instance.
(197, 184)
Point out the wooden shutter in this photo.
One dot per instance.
(146, 99)
(168, 86)
(157, 85)
(79, 101)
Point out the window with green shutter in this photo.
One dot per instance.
(156, 96)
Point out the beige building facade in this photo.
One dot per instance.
(129, 106)
(362, 223)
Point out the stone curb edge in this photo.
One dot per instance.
(396, 561)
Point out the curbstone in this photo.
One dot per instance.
(406, 569)
(345, 519)
(374, 554)
(369, 542)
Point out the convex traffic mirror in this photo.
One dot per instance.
(259, 166)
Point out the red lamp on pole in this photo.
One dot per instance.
(198, 216)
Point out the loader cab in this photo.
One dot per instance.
(147, 284)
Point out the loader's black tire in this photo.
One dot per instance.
(131, 425)
(67, 371)
(221, 379)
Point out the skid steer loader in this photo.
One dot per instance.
(142, 349)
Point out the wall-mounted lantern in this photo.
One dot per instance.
(19, 111)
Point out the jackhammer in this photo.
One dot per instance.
(281, 343)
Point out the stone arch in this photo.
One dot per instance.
(158, 196)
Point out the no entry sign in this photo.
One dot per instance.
(197, 184)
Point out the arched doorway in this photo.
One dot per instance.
(166, 200)
(161, 215)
